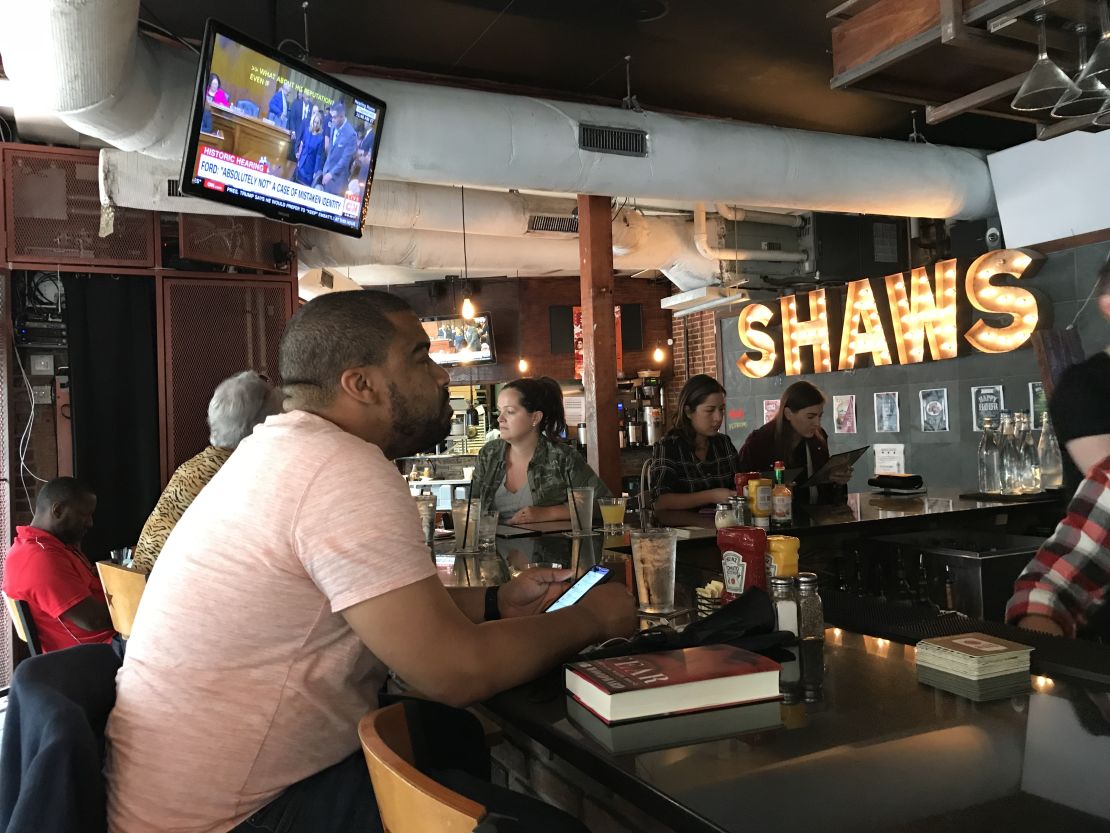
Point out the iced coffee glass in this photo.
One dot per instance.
(653, 563)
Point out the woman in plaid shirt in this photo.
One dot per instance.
(694, 464)
(1065, 584)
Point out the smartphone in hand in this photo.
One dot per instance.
(576, 591)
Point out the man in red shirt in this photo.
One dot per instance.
(46, 569)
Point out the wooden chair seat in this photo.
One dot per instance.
(123, 589)
(20, 613)
(408, 800)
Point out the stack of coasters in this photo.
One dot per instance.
(974, 665)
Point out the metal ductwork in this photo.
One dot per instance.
(86, 62)
(639, 243)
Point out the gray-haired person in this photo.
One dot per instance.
(239, 403)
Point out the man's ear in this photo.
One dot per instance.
(364, 384)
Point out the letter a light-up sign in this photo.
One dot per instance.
(1019, 304)
(919, 313)
(812, 333)
(860, 309)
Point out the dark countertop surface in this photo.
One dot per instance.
(860, 745)
(874, 507)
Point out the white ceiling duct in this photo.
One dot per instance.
(498, 236)
(134, 180)
(88, 64)
(664, 243)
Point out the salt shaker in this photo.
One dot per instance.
(786, 607)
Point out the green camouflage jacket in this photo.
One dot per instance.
(554, 468)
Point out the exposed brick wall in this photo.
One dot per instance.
(695, 337)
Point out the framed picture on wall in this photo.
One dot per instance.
(844, 414)
(934, 409)
(888, 419)
(1038, 405)
(986, 401)
(770, 408)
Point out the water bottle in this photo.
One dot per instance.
(1011, 456)
(1048, 451)
(990, 459)
(1030, 461)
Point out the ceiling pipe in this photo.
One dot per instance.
(750, 215)
(87, 63)
(701, 242)
(639, 242)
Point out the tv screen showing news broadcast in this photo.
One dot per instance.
(457, 340)
(274, 135)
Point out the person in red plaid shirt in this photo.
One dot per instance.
(1064, 585)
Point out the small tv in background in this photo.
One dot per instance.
(274, 135)
(457, 341)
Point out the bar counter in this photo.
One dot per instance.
(871, 750)
(857, 744)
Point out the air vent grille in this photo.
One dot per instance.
(173, 189)
(551, 223)
(623, 141)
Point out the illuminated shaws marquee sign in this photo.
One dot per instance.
(899, 318)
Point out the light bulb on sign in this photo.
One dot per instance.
(468, 309)
(522, 365)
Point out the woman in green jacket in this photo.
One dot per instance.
(525, 473)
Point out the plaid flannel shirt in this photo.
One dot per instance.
(675, 467)
(1068, 578)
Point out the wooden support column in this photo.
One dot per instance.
(599, 351)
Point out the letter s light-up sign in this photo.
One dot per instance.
(923, 316)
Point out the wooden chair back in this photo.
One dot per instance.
(20, 613)
(123, 589)
(408, 800)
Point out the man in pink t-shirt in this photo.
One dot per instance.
(296, 577)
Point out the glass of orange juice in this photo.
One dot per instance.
(612, 514)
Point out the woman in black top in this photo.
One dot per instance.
(694, 464)
(794, 436)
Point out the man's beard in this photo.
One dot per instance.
(413, 429)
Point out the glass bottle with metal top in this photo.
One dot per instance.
(811, 613)
(990, 459)
(1011, 456)
(1030, 461)
(1048, 450)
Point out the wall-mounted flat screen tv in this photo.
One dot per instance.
(458, 341)
(274, 135)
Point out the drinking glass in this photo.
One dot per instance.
(464, 514)
(612, 514)
(580, 500)
(487, 529)
(653, 563)
(426, 508)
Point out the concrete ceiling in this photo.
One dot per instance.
(743, 59)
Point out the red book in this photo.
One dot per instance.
(672, 682)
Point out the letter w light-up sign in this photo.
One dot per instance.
(919, 313)
(923, 312)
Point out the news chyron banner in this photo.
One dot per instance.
(222, 171)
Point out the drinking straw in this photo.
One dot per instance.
(466, 523)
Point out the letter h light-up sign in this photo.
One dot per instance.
(923, 319)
